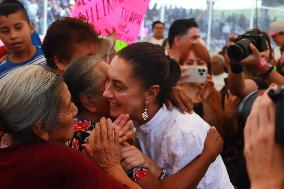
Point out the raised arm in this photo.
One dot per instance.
(186, 178)
(239, 86)
(255, 63)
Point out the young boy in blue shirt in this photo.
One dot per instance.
(15, 32)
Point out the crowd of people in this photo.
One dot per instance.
(222, 25)
(56, 9)
(162, 113)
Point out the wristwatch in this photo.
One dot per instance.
(163, 174)
(236, 68)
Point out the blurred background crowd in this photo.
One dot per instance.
(206, 107)
(234, 18)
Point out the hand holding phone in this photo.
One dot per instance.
(197, 74)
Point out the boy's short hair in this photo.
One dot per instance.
(63, 34)
(180, 27)
(8, 7)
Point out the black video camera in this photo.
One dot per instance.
(241, 48)
(278, 98)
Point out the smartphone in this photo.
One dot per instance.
(197, 74)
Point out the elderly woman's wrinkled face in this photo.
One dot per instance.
(64, 128)
(124, 93)
(101, 102)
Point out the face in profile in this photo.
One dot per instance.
(64, 130)
(82, 49)
(278, 38)
(191, 37)
(15, 32)
(79, 50)
(100, 101)
(124, 93)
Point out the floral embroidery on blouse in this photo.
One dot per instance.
(137, 173)
(82, 129)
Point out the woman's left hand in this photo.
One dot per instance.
(103, 144)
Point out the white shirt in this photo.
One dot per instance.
(173, 140)
(277, 53)
(153, 40)
(219, 81)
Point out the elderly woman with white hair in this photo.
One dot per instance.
(36, 110)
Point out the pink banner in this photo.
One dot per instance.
(125, 16)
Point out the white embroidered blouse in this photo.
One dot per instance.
(173, 140)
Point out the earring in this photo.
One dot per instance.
(145, 114)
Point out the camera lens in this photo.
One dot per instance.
(240, 50)
(235, 52)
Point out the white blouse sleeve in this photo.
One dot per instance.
(183, 148)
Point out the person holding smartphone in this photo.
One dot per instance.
(199, 84)
(216, 109)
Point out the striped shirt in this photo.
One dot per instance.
(7, 66)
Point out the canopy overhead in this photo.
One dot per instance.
(202, 4)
